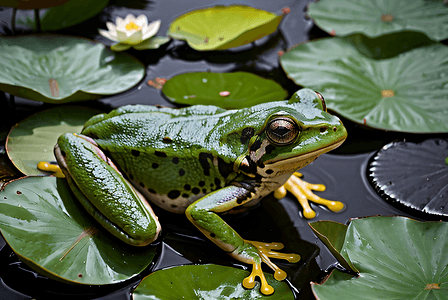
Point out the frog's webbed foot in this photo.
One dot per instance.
(50, 167)
(265, 251)
(303, 191)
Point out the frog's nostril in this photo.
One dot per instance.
(335, 129)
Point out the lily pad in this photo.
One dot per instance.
(332, 235)
(413, 175)
(397, 257)
(223, 27)
(378, 17)
(57, 69)
(70, 13)
(406, 93)
(226, 90)
(32, 140)
(31, 4)
(205, 282)
(50, 231)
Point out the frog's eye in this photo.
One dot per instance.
(282, 131)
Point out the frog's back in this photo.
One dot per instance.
(171, 156)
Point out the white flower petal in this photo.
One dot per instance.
(108, 35)
(152, 29)
(119, 21)
(111, 26)
(129, 18)
(141, 21)
(122, 27)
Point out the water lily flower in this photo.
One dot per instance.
(133, 32)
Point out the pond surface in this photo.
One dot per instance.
(344, 171)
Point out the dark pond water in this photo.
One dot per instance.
(344, 172)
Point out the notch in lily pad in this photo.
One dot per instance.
(226, 90)
(205, 282)
(58, 69)
(397, 258)
(223, 27)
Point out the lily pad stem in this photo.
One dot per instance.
(13, 20)
(37, 20)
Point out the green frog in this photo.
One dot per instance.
(198, 160)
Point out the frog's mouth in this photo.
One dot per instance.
(300, 161)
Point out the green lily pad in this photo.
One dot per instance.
(378, 17)
(223, 27)
(205, 282)
(50, 231)
(397, 257)
(405, 93)
(57, 69)
(32, 140)
(226, 90)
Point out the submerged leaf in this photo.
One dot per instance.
(405, 93)
(56, 69)
(378, 17)
(204, 282)
(226, 90)
(397, 257)
(223, 27)
(32, 140)
(50, 231)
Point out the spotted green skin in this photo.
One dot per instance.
(202, 160)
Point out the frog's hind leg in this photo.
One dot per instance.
(104, 193)
(203, 214)
(302, 190)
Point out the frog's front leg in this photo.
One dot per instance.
(103, 191)
(203, 214)
(302, 190)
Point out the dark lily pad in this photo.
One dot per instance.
(226, 90)
(57, 69)
(405, 93)
(32, 140)
(223, 27)
(31, 4)
(204, 282)
(377, 17)
(46, 227)
(397, 257)
(413, 175)
(70, 13)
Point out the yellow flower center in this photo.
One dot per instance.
(132, 26)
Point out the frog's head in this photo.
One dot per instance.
(294, 133)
